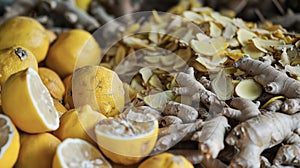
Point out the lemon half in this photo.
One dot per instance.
(74, 152)
(28, 103)
(9, 142)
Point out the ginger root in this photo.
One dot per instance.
(288, 154)
(186, 113)
(169, 120)
(255, 135)
(246, 109)
(211, 136)
(191, 87)
(274, 81)
(291, 106)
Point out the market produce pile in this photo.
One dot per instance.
(190, 87)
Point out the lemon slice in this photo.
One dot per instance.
(34, 110)
(128, 138)
(9, 142)
(74, 152)
(210, 47)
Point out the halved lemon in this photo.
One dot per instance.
(75, 152)
(127, 138)
(28, 103)
(9, 142)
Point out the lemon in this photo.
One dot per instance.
(59, 107)
(75, 48)
(68, 98)
(128, 138)
(166, 160)
(83, 4)
(74, 152)
(34, 111)
(99, 87)
(9, 142)
(26, 32)
(15, 59)
(52, 82)
(37, 150)
(79, 123)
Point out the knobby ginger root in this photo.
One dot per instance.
(191, 87)
(172, 134)
(255, 135)
(274, 106)
(169, 120)
(246, 109)
(291, 106)
(211, 136)
(288, 154)
(274, 81)
(186, 113)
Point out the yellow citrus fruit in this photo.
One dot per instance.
(79, 123)
(75, 48)
(37, 150)
(52, 82)
(75, 152)
(99, 87)
(68, 98)
(166, 160)
(34, 110)
(9, 142)
(59, 107)
(127, 138)
(26, 32)
(83, 4)
(15, 59)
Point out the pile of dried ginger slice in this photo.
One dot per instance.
(226, 92)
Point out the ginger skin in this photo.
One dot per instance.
(274, 81)
(246, 109)
(255, 135)
(186, 113)
(288, 154)
(291, 106)
(211, 136)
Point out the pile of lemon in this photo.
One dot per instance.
(59, 108)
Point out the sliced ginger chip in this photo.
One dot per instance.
(248, 89)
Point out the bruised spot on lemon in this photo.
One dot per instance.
(15, 59)
(37, 113)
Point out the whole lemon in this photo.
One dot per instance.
(73, 49)
(37, 150)
(26, 32)
(15, 59)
